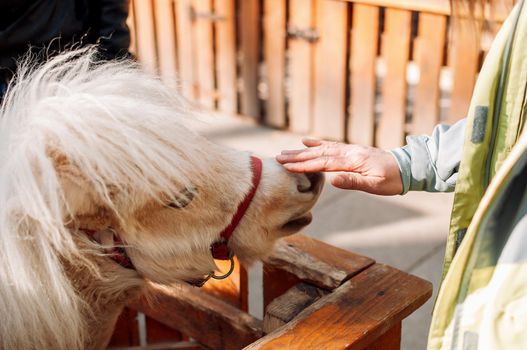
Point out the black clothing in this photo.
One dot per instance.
(48, 26)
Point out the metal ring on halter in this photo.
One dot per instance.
(222, 277)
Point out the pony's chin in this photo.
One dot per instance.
(296, 224)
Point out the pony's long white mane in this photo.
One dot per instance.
(118, 125)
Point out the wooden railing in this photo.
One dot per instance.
(363, 71)
(316, 297)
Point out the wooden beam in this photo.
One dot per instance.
(316, 262)
(284, 308)
(203, 317)
(496, 12)
(356, 315)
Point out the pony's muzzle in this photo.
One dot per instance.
(310, 182)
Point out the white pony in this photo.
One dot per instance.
(89, 147)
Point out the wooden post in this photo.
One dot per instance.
(274, 57)
(463, 60)
(146, 35)
(226, 55)
(330, 69)
(249, 31)
(301, 16)
(364, 35)
(203, 52)
(186, 68)
(396, 51)
(166, 40)
(429, 56)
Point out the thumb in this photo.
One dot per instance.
(352, 181)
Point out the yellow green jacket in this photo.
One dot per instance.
(482, 302)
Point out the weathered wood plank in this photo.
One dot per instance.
(395, 50)
(355, 315)
(186, 69)
(146, 35)
(166, 40)
(204, 54)
(249, 32)
(275, 283)
(316, 262)
(225, 39)
(205, 318)
(329, 110)
(463, 60)
(301, 16)
(429, 48)
(284, 308)
(274, 23)
(364, 35)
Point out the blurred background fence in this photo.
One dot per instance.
(365, 71)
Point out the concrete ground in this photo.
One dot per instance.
(407, 232)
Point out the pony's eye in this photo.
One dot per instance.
(183, 198)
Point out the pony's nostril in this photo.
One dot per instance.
(313, 184)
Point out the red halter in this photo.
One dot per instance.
(219, 249)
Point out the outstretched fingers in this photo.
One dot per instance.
(324, 163)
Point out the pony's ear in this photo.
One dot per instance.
(77, 191)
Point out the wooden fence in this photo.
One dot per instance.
(315, 297)
(363, 71)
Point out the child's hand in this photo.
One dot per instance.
(361, 168)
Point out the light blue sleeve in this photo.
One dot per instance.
(431, 163)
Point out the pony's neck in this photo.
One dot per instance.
(105, 294)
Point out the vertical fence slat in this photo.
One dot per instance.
(130, 22)
(249, 32)
(463, 60)
(233, 289)
(301, 15)
(146, 36)
(203, 52)
(158, 332)
(226, 55)
(274, 22)
(330, 69)
(166, 40)
(361, 126)
(126, 331)
(184, 44)
(429, 56)
(395, 50)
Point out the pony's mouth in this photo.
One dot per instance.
(298, 222)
